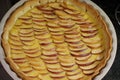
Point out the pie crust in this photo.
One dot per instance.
(56, 40)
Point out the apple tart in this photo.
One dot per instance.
(56, 40)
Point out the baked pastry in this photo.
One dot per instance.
(56, 40)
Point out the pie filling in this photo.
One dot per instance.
(57, 41)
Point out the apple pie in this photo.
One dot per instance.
(56, 40)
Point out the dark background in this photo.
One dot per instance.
(108, 6)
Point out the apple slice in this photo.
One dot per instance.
(95, 45)
(90, 66)
(35, 11)
(47, 58)
(32, 51)
(85, 57)
(28, 43)
(33, 55)
(70, 69)
(26, 32)
(38, 20)
(53, 30)
(26, 69)
(89, 35)
(62, 14)
(53, 66)
(74, 72)
(33, 74)
(56, 6)
(19, 61)
(92, 40)
(88, 72)
(24, 64)
(55, 71)
(16, 42)
(76, 76)
(100, 56)
(45, 77)
(67, 65)
(26, 18)
(68, 24)
(18, 56)
(43, 23)
(69, 7)
(72, 12)
(44, 8)
(52, 16)
(27, 38)
(89, 61)
(98, 50)
(34, 46)
(48, 47)
(16, 51)
(51, 62)
(58, 76)
(66, 59)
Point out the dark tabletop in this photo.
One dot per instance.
(108, 6)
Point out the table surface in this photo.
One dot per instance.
(108, 6)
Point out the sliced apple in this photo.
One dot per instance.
(89, 35)
(19, 61)
(68, 24)
(49, 53)
(32, 51)
(24, 32)
(100, 56)
(74, 72)
(47, 58)
(34, 46)
(98, 50)
(26, 69)
(33, 55)
(55, 71)
(83, 57)
(55, 6)
(89, 61)
(76, 76)
(60, 75)
(25, 18)
(62, 14)
(32, 73)
(40, 23)
(50, 16)
(53, 66)
(14, 43)
(90, 66)
(48, 47)
(89, 72)
(44, 8)
(70, 69)
(24, 64)
(94, 39)
(46, 77)
(66, 59)
(18, 56)
(51, 61)
(27, 38)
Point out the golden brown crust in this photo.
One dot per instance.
(32, 3)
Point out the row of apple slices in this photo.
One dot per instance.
(49, 55)
(18, 55)
(72, 70)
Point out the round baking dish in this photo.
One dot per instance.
(107, 20)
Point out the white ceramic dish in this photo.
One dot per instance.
(106, 18)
